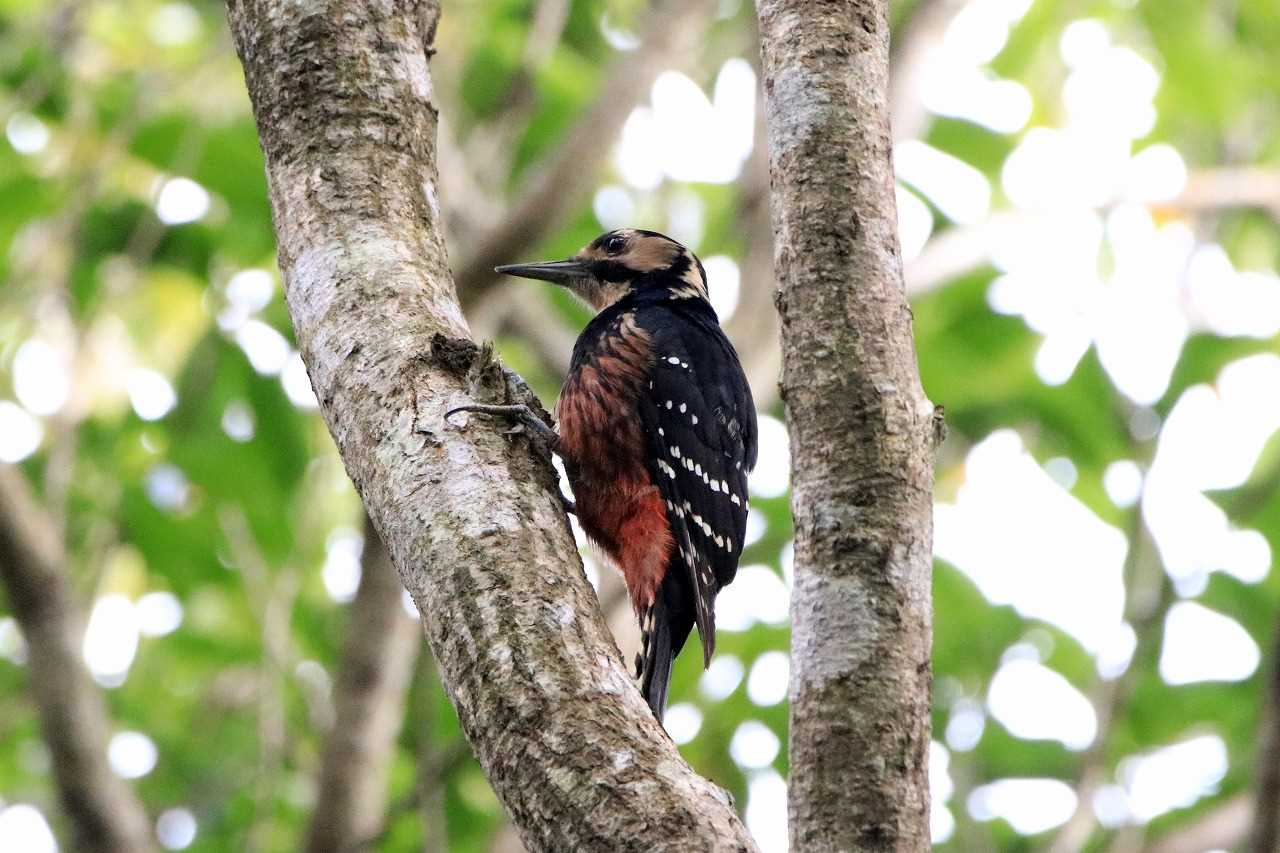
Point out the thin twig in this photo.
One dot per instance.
(1221, 828)
(961, 249)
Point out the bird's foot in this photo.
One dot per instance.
(521, 413)
(525, 418)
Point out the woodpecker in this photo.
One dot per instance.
(657, 431)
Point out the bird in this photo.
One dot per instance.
(657, 432)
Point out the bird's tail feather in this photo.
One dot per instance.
(656, 657)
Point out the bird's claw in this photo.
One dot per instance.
(526, 420)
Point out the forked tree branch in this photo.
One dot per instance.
(104, 813)
(862, 435)
(347, 120)
(368, 701)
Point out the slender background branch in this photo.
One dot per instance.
(104, 813)
(1265, 834)
(557, 189)
(1222, 827)
(369, 700)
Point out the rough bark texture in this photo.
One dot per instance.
(471, 517)
(368, 702)
(104, 814)
(861, 435)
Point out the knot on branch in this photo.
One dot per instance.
(486, 378)
(455, 355)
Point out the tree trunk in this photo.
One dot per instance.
(347, 121)
(862, 435)
(105, 815)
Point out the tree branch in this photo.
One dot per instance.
(861, 435)
(104, 812)
(347, 121)
(914, 46)
(959, 249)
(369, 699)
(1148, 595)
(559, 187)
(1222, 827)
(1229, 187)
(1265, 834)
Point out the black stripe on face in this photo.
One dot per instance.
(610, 270)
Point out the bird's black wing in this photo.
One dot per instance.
(700, 425)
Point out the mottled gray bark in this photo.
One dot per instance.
(471, 517)
(102, 809)
(368, 702)
(862, 435)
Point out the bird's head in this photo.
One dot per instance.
(622, 262)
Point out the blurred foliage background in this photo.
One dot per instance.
(1088, 193)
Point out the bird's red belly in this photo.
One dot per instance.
(628, 520)
(619, 508)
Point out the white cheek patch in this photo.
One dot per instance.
(600, 294)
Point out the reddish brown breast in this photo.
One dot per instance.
(597, 410)
(601, 441)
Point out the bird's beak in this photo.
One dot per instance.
(561, 272)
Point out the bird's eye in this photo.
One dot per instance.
(614, 245)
